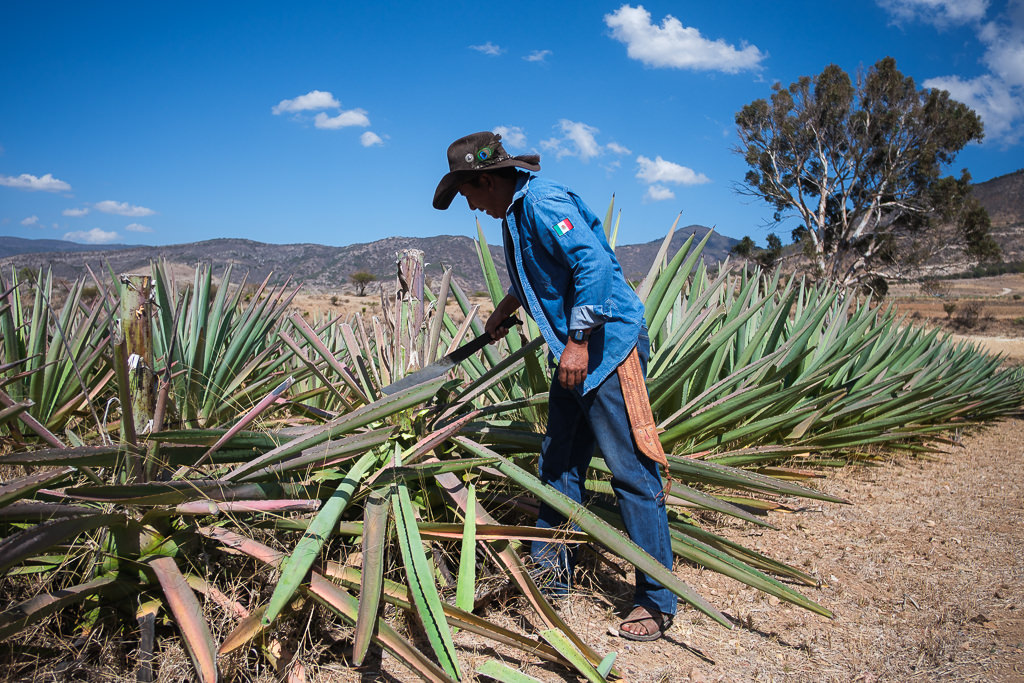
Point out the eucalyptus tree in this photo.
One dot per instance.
(860, 164)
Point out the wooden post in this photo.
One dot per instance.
(137, 326)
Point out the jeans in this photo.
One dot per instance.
(576, 424)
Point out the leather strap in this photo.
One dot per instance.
(638, 408)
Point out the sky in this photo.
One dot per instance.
(328, 122)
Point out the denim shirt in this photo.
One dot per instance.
(567, 277)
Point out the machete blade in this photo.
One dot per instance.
(446, 363)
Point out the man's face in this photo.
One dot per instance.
(483, 197)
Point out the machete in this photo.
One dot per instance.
(447, 362)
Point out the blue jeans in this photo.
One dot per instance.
(576, 424)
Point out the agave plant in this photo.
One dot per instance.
(53, 358)
(431, 487)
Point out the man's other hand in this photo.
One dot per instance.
(572, 366)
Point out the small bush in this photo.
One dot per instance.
(933, 287)
(968, 313)
(949, 307)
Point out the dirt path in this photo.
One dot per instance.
(924, 573)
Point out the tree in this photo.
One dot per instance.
(360, 279)
(860, 166)
(744, 248)
(766, 258)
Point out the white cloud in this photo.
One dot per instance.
(488, 48)
(74, 213)
(511, 136)
(538, 56)
(369, 139)
(659, 193)
(122, 208)
(997, 96)
(311, 101)
(138, 227)
(94, 236)
(940, 13)
(675, 46)
(999, 107)
(352, 117)
(27, 181)
(661, 171)
(616, 148)
(578, 140)
(31, 220)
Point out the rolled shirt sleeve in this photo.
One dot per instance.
(565, 234)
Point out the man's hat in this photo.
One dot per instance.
(474, 154)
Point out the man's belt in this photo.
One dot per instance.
(638, 407)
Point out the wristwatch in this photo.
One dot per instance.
(579, 336)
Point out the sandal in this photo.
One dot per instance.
(639, 615)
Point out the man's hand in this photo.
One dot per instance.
(504, 309)
(572, 366)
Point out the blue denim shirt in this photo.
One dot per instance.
(567, 277)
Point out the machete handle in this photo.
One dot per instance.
(508, 322)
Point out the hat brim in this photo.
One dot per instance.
(449, 185)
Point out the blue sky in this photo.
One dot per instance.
(327, 122)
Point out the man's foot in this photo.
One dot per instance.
(644, 624)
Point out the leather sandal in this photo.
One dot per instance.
(662, 622)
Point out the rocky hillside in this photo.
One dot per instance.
(318, 267)
(1003, 197)
(325, 268)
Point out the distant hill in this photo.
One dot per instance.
(1003, 197)
(317, 266)
(326, 268)
(9, 246)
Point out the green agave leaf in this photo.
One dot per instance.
(34, 540)
(466, 584)
(242, 507)
(177, 492)
(604, 533)
(558, 641)
(23, 487)
(344, 424)
(685, 544)
(33, 610)
(36, 511)
(248, 418)
(84, 456)
(326, 454)
(295, 568)
(246, 629)
(503, 674)
(398, 595)
(421, 582)
(507, 558)
(338, 601)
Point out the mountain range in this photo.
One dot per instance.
(324, 268)
(316, 266)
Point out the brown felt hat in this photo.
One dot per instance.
(474, 154)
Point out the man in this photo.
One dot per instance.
(568, 279)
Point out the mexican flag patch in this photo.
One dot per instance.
(563, 227)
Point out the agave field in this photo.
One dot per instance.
(247, 477)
